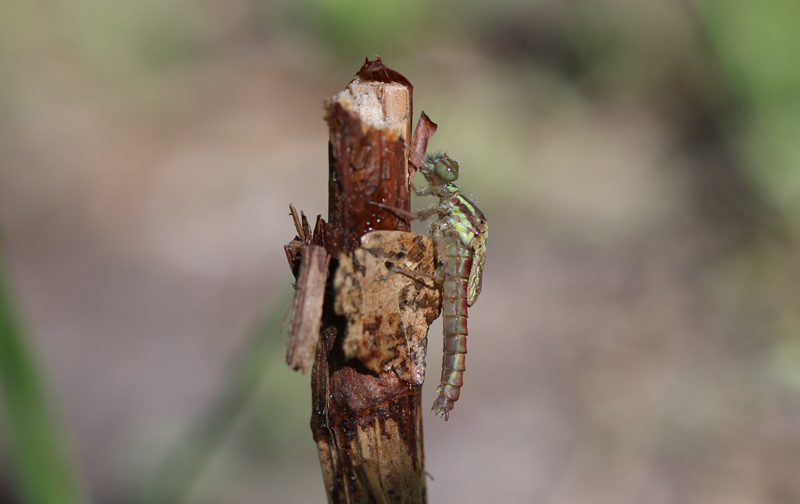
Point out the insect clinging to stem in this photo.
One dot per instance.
(460, 234)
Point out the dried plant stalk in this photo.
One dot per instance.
(369, 362)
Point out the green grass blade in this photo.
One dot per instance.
(43, 473)
(174, 478)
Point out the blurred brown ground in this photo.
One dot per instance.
(625, 348)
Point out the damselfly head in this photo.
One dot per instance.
(444, 168)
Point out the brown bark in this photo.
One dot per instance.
(369, 362)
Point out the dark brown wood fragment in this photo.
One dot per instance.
(304, 237)
(422, 135)
(377, 72)
(301, 342)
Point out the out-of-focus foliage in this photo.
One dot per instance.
(254, 374)
(108, 40)
(756, 44)
(351, 25)
(42, 469)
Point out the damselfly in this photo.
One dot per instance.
(460, 233)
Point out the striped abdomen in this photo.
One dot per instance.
(457, 263)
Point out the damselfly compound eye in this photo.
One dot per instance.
(446, 169)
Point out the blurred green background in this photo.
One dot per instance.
(638, 336)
